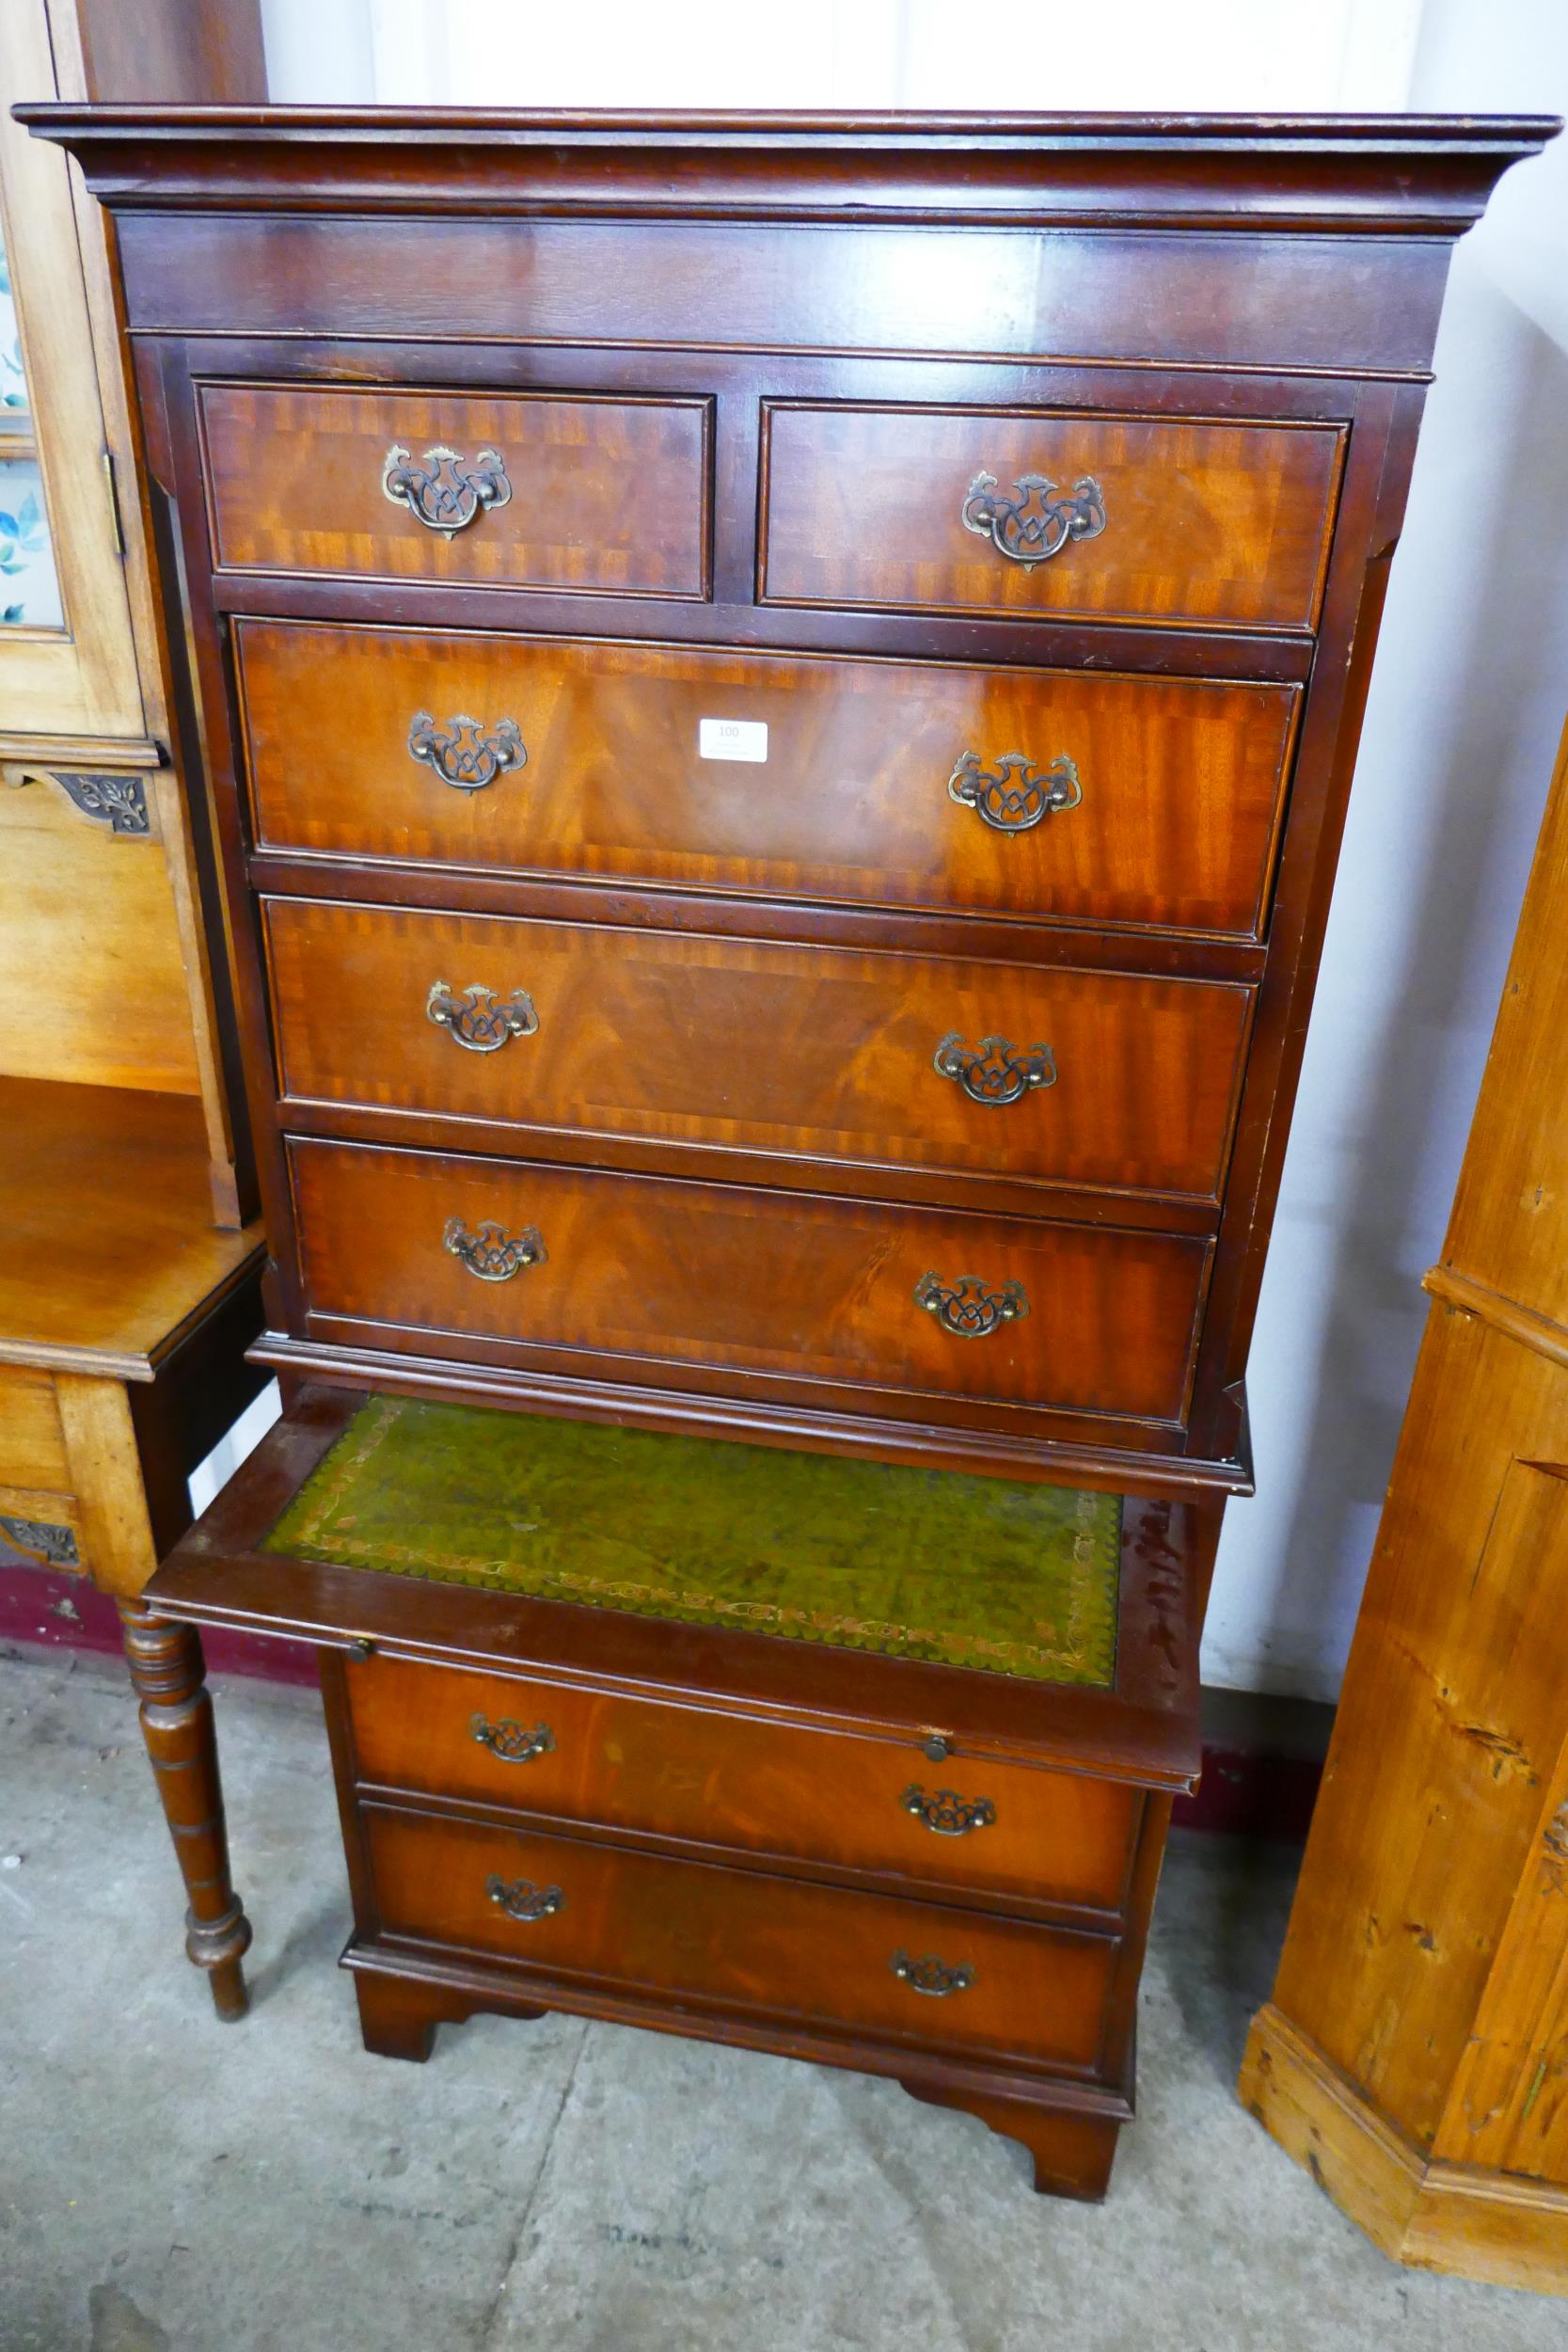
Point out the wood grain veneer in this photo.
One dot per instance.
(674, 1273)
(606, 494)
(740, 1939)
(656, 1034)
(755, 1787)
(1202, 521)
(1181, 780)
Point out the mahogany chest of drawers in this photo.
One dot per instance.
(778, 698)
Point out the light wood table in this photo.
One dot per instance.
(124, 1317)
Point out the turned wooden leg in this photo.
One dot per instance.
(166, 1671)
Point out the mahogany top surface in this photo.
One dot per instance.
(1045, 128)
(107, 1244)
(1415, 173)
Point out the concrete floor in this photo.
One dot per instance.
(168, 2184)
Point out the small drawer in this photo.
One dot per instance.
(606, 497)
(1095, 517)
(567, 1908)
(420, 1251)
(1106, 800)
(1092, 1078)
(729, 1780)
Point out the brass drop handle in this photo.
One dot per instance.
(1015, 794)
(969, 1307)
(466, 752)
(521, 1899)
(1038, 521)
(995, 1072)
(946, 1813)
(511, 1742)
(443, 493)
(480, 1019)
(927, 1974)
(491, 1253)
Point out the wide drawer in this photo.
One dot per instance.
(1094, 800)
(515, 490)
(730, 1780)
(932, 1302)
(1093, 1078)
(820, 1955)
(1106, 518)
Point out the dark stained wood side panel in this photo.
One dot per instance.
(609, 495)
(765, 1789)
(1182, 781)
(1237, 300)
(800, 1050)
(724, 1276)
(809, 1952)
(1204, 522)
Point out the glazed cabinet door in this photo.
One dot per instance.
(67, 656)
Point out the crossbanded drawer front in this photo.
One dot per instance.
(1121, 801)
(820, 1955)
(606, 495)
(933, 1303)
(1092, 1078)
(729, 1780)
(1097, 517)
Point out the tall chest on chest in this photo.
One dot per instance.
(780, 698)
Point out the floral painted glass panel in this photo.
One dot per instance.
(29, 585)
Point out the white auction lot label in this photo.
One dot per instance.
(732, 739)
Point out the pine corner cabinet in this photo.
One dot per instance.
(779, 694)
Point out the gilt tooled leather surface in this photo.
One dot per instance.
(986, 1573)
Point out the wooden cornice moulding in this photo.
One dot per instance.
(1372, 174)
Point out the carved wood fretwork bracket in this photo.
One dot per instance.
(114, 797)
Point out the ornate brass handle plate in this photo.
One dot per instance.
(491, 1253)
(1015, 795)
(467, 754)
(1036, 523)
(927, 1974)
(521, 1899)
(480, 1019)
(443, 493)
(969, 1307)
(994, 1072)
(511, 1742)
(946, 1813)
